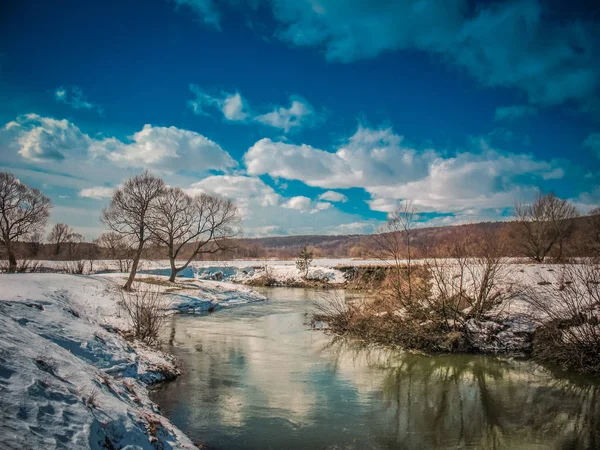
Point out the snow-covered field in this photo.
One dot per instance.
(68, 380)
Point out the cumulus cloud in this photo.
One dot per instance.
(377, 161)
(333, 196)
(167, 149)
(39, 138)
(470, 180)
(369, 157)
(298, 114)
(300, 203)
(74, 97)
(513, 112)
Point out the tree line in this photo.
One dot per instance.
(147, 218)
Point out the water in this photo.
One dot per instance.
(257, 378)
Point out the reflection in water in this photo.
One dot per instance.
(256, 377)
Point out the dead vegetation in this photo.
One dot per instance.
(567, 309)
(431, 305)
(146, 310)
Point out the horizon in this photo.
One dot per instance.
(313, 119)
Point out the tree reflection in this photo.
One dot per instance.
(477, 402)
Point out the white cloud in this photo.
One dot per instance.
(261, 207)
(231, 105)
(298, 114)
(333, 196)
(74, 97)
(97, 192)
(377, 160)
(370, 157)
(166, 149)
(43, 138)
(469, 180)
(249, 193)
(300, 203)
(235, 109)
(320, 206)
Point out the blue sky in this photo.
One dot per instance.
(314, 116)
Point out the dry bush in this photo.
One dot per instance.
(466, 287)
(567, 308)
(428, 306)
(336, 311)
(73, 267)
(147, 310)
(27, 266)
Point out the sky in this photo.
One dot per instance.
(314, 116)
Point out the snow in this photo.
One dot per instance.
(68, 380)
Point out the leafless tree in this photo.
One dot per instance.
(23, 211)
(128, 213)
(73, 244)
(204, 221)
(59, 234)
(593, 221)
(35, 243)
(116, 248)
(544, 224)
(394, 242)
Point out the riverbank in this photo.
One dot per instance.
(68, 377)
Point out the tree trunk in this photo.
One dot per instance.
(134, 265)
(12, 261)
(173, 269)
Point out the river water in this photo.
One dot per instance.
(257, 377)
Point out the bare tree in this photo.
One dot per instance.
(593, 221)
(304, 261)
(544, 224)
(205, 222)
(23, 211)
(129, 211)
(394, 242)
(59, 234)
(73, 241)
(116, 248)
(35, 243)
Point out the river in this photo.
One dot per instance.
(257, 377)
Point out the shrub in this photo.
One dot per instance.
(146, 309)
(567, 308)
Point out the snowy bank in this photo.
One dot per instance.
(68, 380)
